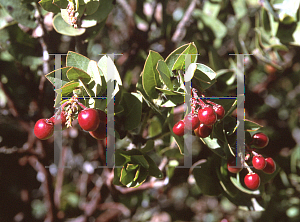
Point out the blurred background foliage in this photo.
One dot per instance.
(269, 31)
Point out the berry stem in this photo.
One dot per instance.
(247, 166)
(64, 104)
(82, 106)
(215, 104)
(201, 103)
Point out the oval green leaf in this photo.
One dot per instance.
(64, 28)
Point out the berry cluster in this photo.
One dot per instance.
(92, 120)
(72, 15)
(201, 119)
(267, 165)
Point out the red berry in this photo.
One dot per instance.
(43, 129)
(259, 162)
(219, 110)
(203, 130)
(270, 167)
(102, 116)
(259, 140)
(100, 132)
(178, 128)
(207, 115)
(191, 121)
(252, 181)
(232, 166)
(59, 120)
(89, 119)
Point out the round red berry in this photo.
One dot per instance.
(100, 132)
(191, 121)
(43, 129)
(232, 166)
(219, 110)
(102, 116)
(259, 140)
(203, 130)
(270, 166)
(89, 119)
(252, 181)
(207, 115)
(178, 128)
(259, 162)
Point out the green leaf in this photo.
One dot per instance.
(68, 88)
(251, 126)
(169, 92)
(63, 80)
(96, 75)
(120, 158)
(165, 74)
(91, 68)
(267, 6)
(61, 3)
(230, 125)
(106, 62)
(21, 12)
(77, 60)
(131, 167)
(20, 45)
(240, 8)
(287, 10)
(226, 76)
(91, 6)
(87, 88)
(76, 74)
(289, 34)
(231, 108)
(49, 6)
(215, 145)
(104, 8)
(206, 177)
(146, 98)
(176, 59)
(148, 147)
(132, 104)
(140, 159)
(212, 8)
(153, 170)
(150, 76)
(118, 109)
(218, 29)
(117, 176)
(154, 127)
(127, 177)
(64, 28)
(205, 75)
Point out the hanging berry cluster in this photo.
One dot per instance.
(202, 117)
(72, 15)
(92, 120)
(267, 165)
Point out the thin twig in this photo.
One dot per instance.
(144, 186)
(60, 177)
(13, 110)
(13, 150)
(46, 185)
(180, 29)
(126, 7)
